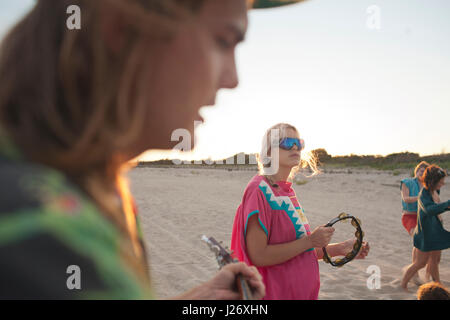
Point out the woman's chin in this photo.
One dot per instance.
(294, 163)
(290, 164)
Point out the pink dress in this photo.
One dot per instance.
(283, 220)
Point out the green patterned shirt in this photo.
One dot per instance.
(54, 241)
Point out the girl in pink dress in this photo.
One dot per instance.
(270, 229)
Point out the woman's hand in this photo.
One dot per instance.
(321, 237)
(223, 285)
(347, 246)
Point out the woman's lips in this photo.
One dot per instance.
(199, 118)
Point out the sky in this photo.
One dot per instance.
(354, 77)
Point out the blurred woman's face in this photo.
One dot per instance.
(420, 172)
(440, 184)
(190, 69)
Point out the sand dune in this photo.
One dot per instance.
(178, 205)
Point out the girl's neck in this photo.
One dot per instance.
(282, 174)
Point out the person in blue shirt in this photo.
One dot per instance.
(410, 188)
(430, 237)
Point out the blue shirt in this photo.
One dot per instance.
(414, 188)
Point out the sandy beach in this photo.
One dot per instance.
(179, 205)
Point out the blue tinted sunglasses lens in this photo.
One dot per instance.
(288, 143)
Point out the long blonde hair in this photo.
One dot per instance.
(308, 159)
(69, 102)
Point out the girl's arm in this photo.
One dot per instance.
(262, 254)
(434, 209)
(405, 195)
(333, 250)
(342, 248)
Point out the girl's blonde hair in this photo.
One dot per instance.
(422, 164)
(69, 102)
(308, 159)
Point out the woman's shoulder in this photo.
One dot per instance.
(425, 196)
(408, 182)
(41, 210)
(256, 184)
(254, 187)
(48, 198)
(25, 186)
(47, 201)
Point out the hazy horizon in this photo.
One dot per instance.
(345, 155)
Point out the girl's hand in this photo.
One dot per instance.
(321, 237)
(347, 246)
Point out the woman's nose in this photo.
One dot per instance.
(229, 79)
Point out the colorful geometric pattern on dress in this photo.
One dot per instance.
(284, 203)
(301, 213)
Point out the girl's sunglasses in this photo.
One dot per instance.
(288, 143)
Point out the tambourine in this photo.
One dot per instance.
(359, 234)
